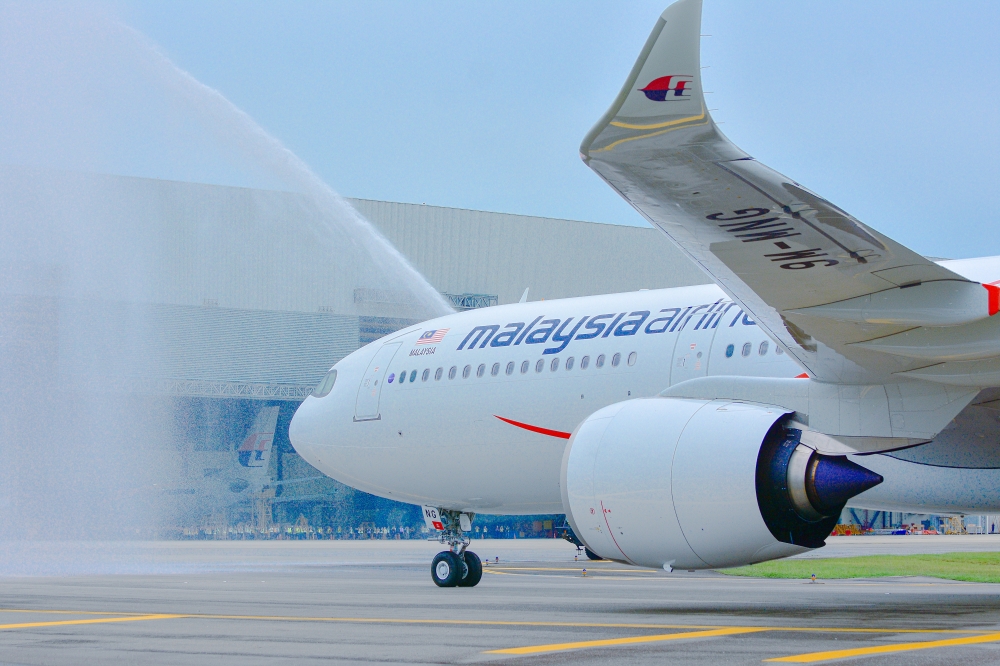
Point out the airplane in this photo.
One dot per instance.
(699, 427)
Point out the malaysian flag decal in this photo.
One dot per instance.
(432, 337)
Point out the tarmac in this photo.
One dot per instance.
(275, 602)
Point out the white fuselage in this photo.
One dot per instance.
(482, 419)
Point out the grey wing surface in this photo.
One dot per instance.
(821, 283)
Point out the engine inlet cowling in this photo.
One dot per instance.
(695, 484)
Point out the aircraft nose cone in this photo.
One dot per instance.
(305, 430)
(835, 479)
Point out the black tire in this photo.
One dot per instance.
(446, 569)
(591, 555)
(475, 567)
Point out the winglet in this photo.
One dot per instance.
(524, 296)
(663, 91)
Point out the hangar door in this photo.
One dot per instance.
(366, 408)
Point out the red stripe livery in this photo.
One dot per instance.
(541, 431)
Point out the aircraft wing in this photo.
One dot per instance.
(825, 286)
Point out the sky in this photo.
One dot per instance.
(888, 109)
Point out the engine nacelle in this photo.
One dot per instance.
(696, 484)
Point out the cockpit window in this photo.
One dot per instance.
(326, 385)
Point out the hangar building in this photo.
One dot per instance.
(243, 308)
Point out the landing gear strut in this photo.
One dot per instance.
(455, 567)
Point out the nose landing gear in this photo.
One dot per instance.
(455, 567)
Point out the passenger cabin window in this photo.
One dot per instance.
(730, 350)
(615, 360)
(325, 385)
(438, 373)
(584, 362)
(481, 370)
(413, 376)
(524, 367)
(554, 365)
(600, 361)
(510, 368)
(539, 365)
(569, 363)
(778, 350)
(452, 372)
(495, 370)
(466, 371)
(426, 373)
(631, 358)
(763, 348)
(746, 349)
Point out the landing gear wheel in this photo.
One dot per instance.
(591, 555)
(447, 569)
(475, 567)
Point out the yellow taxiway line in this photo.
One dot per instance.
(102, 620)
(811, 657)
(496, 623)
(632, 640)
(683, 632)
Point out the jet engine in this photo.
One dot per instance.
(696, 484)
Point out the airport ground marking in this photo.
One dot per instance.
(631, 640)
(101, 620)
(122, 616)
(812, 657)
(699, 631)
